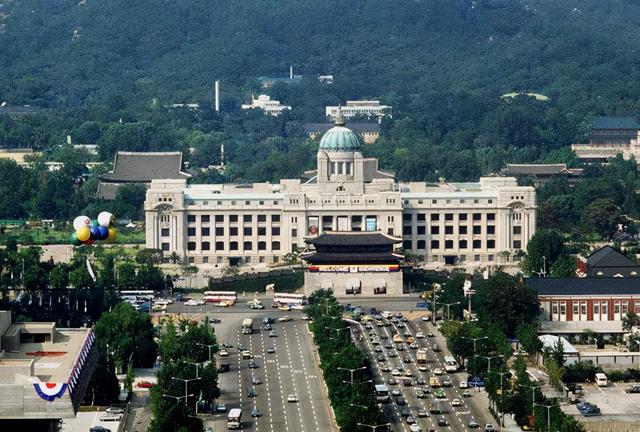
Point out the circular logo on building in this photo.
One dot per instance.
(313, 230)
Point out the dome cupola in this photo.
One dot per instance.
(339, 137)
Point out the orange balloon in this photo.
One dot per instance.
(112, 235)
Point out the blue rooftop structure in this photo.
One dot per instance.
(340, 138)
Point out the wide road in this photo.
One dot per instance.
(289, 371)
(458, 417)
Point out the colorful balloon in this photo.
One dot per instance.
(74, 239)
(103, 233)
(83, 234)
(112, 235)
(89, 242)
(81, 221)
(105, 219)
(95, 232)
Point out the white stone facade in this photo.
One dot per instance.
(216, 225)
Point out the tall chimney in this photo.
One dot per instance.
(217, 96)
(290, 72)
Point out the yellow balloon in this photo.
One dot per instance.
(112, 235)
(83, 234)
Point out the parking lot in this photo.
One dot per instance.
(289, 370)
(399, 358)
(614, 403)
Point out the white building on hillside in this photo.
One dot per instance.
(364, 108)
(264, 102)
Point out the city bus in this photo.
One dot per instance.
(290, 299)
(247, 326)
(450, 364)
(234, 419)
(382, 393)
(220, 296)
(137, 295)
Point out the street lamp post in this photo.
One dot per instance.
(361, 382)
(374, 427)
(177, 398)
(436, 288)
(197, 365)
(352, 371)
(533, 397)
(210, 347)
(548, 407)
(186, 384)
(501, 415)
(448, 305)
(489, 358)
(474, 341)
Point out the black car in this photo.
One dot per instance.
(442, 421)
(401, 401)
(251, 393)
(253, 365)
(224, 367)
(99, 429)
(213, 320)
(405, 412)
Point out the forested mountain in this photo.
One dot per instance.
(582, 53)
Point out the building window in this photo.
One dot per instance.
(275, 218)
(462, 216)
(191, 232)
(575, 310)
(435, 230)
(477, 216)
(435, 216)
(406, 230)
(517, 230)
(462, 229)
(463, 244)
(294, 232)
(476, 257)
(233, 231)
(205, 260)
(233, 246)
(247, 231)
(491, 216)
(219, 231)
(407, 244)
(219, 218)
(206, 232)
(275, 245)
(603, 308)
(219, 246)
(233, 218)
(421, 217)
(616, 307)
(596, 309)
(435, 244)
(191, 218)
(262, 245)
(205, 219)
(477, 229)
(489, 257)
(165, 246)
(491, 244)
(205, 246)
(275, 231)
(448, 216)
(625, 307)
(422, 244)
(491, 229)
(262, 218)
(247, 218)
(406, 217)
(517, 244)
(477, 244)
(191, 260)
(563, 309)
(554, 309)
(262, 231)
(191, 246)
(421, 230)
(583, 309)
(448, 244)
(247, 246)
(448, 229)
(164, 232)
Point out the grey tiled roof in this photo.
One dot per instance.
(609, 122)
(608, 257)
(146, 166)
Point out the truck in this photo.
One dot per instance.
(421, 356)
(434, 382)
(234, 419)
(397, 338)
(247, 326)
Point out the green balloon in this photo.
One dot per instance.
(94, 222)
(74, 239)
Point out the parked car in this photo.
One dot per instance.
(285, 318)
(442, 421)
(220, 408)
(292, 398)
(144, 384)
(114, 409)
(223, 353)
(99, 429)
(224, 367)
(213, 320)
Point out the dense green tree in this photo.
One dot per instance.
(604, 218)
(129, 201)
(527, 334)
(565, 266)
(543, 250)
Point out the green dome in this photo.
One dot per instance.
(340, 138)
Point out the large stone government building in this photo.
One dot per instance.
(257, 224)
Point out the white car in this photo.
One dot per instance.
(419, 335)
(426, 318)
(423, 368)
(456, 402)
(463, 384)
(297, 307)
(191, 303)
(415, 428)
(395, 372)
(111, 417)
(285, 318)
(224, 353)
(437, 371)
(292, 398)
